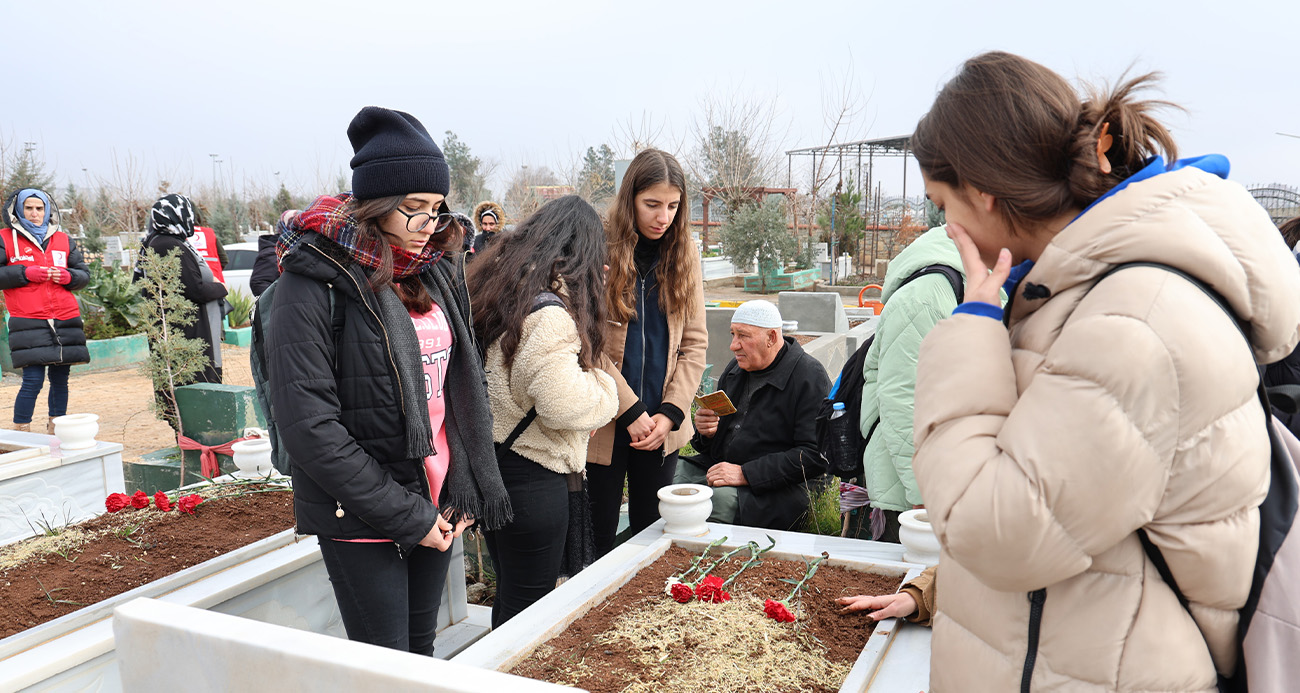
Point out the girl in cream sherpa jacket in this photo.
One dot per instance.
(545, 374)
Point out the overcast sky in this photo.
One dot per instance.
(269, 86)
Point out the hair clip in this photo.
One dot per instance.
(1103, 145)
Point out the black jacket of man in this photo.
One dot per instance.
(774, 439)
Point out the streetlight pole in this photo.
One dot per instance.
(214, 170)
(1287, 134)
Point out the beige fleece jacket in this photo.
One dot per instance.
(545, 374)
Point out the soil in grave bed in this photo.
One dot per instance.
(46, 577)
(639, 639)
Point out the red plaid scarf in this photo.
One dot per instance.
(331, 217)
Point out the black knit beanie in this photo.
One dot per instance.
(394, 155)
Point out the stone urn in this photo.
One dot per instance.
(920, 545)
(252, 457)
(684, 508)
(76, 431)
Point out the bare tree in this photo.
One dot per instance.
(737, 146)
(521, 196)
(634, 135)
(130, 194)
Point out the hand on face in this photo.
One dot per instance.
(981, 284)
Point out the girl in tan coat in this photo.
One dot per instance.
(539, 306)
(656, 336)
(1046, 438)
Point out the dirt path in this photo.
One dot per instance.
(122, 398)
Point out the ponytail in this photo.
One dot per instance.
(1018, 131)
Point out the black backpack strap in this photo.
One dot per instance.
(955, 279)
(1281, 504)
(519, 430)
(540, 301)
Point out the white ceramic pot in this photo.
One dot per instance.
(252, 457)
(920, 545)
(684, 508)
(76, 431)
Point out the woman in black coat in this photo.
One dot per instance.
(171, 222)
(40, 267)
(376, 384)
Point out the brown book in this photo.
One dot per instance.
(718, 401)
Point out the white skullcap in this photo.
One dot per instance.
(758, 313)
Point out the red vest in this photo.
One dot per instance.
(41, 300)
(204, 240)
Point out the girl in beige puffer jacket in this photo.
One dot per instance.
(1047, 438)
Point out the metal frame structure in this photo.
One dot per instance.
(899, 146)
(1281, 201)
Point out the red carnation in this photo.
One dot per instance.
(777, 610)
(139, 500)
(117, 501)
(682, 593)
(710, 590)
(161, 502)
(187, 504)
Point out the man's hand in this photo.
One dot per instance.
(725, 474)
(885, 606)
(655, 439)
(706, 422)
(642, 427)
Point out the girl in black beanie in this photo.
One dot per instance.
(377, 387)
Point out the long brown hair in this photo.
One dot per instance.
(560, 249)
(410, 290)
(1018, 131)
(678, 271)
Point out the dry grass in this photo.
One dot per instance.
(717, 647)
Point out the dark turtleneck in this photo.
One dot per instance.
(646, 255)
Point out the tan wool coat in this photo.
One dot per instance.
(1040, 452)
(688, 340)
(545, 374)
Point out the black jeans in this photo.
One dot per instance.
(526, 553)
(646, 472)
(384, 599)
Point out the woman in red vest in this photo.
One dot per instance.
(40, 267)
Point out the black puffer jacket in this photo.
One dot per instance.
(775, 440)
(337, 400)
(47, 342)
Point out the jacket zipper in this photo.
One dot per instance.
(641, 329)
(388, 347)
(1036, 600)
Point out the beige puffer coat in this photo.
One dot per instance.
(1129, 406)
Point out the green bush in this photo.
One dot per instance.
(824, 510)
(241, 308)
(110, 303)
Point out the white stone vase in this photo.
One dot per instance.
(76, 431)
(252, 457)
(920, 545)
(684, 508)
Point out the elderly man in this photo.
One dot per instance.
(762, 461)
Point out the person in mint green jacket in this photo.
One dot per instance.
(910, 312)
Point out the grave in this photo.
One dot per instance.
(814, 311)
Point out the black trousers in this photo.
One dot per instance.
(646, 473)
(526, 553)
(385, 599)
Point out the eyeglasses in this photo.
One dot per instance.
(416, 222)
